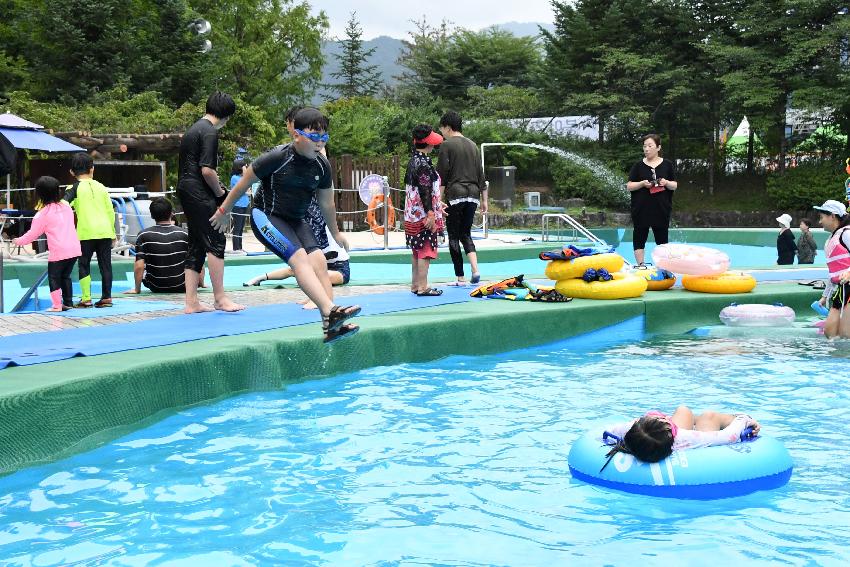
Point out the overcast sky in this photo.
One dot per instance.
(392, 17)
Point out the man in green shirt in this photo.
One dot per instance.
(463, 188)
(95, 228)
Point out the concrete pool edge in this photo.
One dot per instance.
(52, 410)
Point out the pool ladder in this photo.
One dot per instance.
(564, 222)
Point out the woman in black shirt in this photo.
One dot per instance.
(651, 183)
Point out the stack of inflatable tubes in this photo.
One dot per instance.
(757, 315)
(699, 474)
(567, 275)
(705, 269)
(727, 282)
(657, 279)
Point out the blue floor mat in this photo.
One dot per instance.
(119, 307)
(35, 348)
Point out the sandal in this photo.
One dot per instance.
(429, 292)
(338, 315)
(104, 303)
(84, 304)
(346, 330)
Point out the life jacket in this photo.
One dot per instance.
(837, 255)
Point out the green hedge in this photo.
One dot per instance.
(803, 187)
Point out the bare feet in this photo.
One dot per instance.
(54, 309)
(309, 305)
(197, 307)
(229, 306)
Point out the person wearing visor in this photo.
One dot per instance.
(423, 211)
(835, 220)
(290, 175)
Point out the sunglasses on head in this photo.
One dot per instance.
(313, 136)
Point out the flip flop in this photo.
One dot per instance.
(346, 330)
(103, 303)
(429, 292)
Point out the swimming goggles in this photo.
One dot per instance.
(314, 136)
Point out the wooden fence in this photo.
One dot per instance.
(349, 171)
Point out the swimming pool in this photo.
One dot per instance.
(457, 462)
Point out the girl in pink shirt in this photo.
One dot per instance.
(655, 436)
(56, 220)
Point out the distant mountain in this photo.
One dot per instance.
(387, 51)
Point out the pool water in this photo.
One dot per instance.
(462, 461)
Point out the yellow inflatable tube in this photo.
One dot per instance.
(567, 269)
(728, 282)
(622, 286)
(657, 279)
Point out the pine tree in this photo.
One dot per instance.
(357, 78)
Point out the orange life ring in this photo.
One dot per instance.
(374, 206)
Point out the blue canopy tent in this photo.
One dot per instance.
(25, 135)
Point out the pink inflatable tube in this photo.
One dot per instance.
(757, 315)
(691, 260)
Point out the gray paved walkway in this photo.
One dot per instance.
(252, 297)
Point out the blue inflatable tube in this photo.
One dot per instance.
(707, 473)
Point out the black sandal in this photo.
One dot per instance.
(338, 315)
(429, 292)
(346, 330)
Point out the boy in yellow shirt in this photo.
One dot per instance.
(95, 228)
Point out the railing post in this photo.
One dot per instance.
(1, 279)
(484, 215)
(387, 204)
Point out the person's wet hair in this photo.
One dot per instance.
(220, 105)
(420, 132)
(649, 439)
(238, 164)
(453, 120)
(310, 119)
(81, 163)
(160, 209)
(47, 189)
(290, 114)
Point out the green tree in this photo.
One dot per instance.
(75, 49)
(267, 52)
(14, 68)
(445, 63)
(777, 51)
(356, 77)
(505, 101)
(432, 72)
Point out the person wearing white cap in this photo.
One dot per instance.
(834, 218)
(786, 246)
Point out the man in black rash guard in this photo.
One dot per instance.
(290, 176)
(198, 189)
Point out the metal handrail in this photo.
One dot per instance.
(32, 290)
(576, 226)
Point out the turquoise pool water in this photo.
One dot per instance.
(458, 462)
